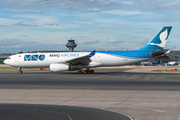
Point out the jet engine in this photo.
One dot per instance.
(55, 67)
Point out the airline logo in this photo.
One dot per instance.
(34, 57)
(64, 55)
(54, 55)
(162, 37)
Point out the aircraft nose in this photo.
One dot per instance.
(5, 61)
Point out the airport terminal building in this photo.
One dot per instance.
(3, 57)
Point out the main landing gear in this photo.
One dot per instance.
(20, 71)
(87, 71)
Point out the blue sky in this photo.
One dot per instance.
(27, 25)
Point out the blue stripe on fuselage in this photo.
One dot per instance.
(129, 54)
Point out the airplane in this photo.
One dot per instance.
(71, 61)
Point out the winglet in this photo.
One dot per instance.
(92, 53)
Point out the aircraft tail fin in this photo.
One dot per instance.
(159, 41)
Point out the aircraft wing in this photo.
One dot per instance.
(82, 60)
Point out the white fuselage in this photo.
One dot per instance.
(25, 60)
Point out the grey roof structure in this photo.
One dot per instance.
(4, 56)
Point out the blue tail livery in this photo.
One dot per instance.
(159, 41)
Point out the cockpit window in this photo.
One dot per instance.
(9, 58)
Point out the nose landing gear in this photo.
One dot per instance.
(20, 71)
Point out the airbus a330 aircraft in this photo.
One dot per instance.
(69, 61)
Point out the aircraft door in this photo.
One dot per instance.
(16, 59)
(20, 58)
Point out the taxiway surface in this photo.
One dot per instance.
(139, 92)
(54, 112)
(103, 79)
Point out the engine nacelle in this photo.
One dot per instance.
(55, 67)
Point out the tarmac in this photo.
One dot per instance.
(55, 112)
(141, 103)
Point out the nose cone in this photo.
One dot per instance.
(5, 61)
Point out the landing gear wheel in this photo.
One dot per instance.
(80, 72)
(86, 72)
(20, 71)
(91, 71)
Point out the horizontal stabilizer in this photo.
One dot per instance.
(159, 53)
